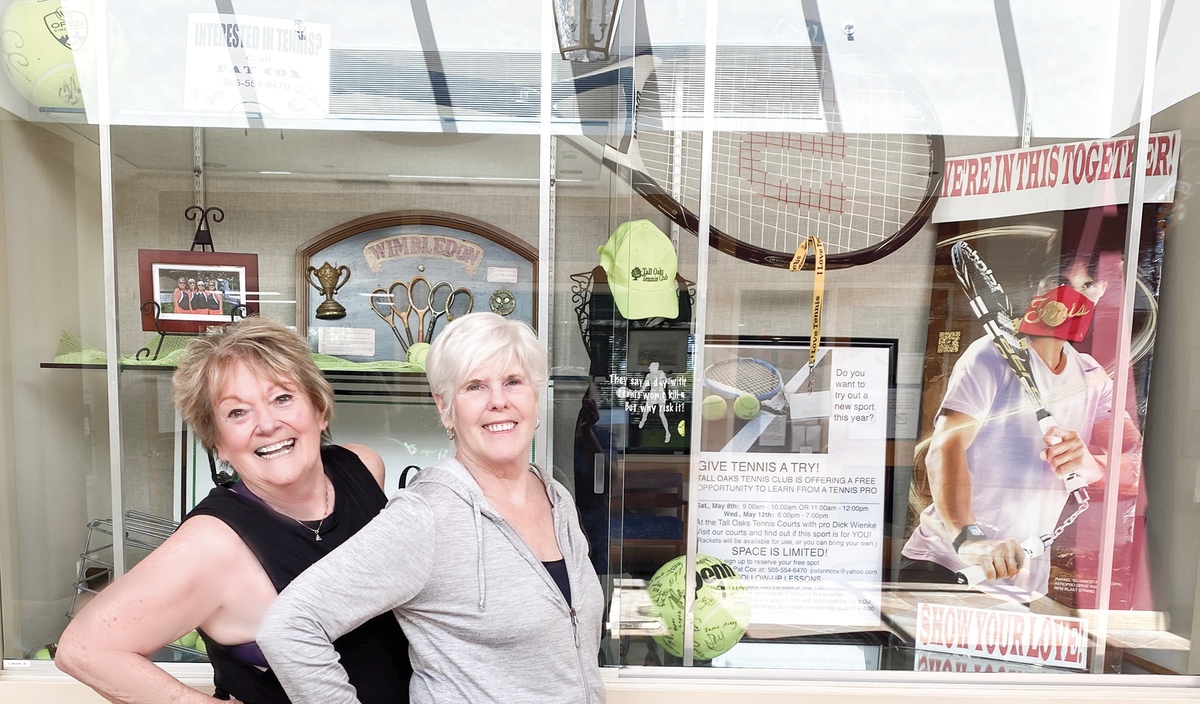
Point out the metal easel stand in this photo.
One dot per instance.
(238, 312)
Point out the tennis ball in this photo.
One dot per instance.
(201, 646)
(417, 353)
(722, 605)
(42, 654)
(745, 407)
(714, 407)
(41, 42)
(189, 639)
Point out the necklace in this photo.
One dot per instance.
(317, 531)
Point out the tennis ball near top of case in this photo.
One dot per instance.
(746, 407)
(714, 407)
(417, 353)
(722, 606)
(49, 53)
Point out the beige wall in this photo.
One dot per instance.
(46, 466)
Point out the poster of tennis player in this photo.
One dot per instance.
(1018, 412)
(793, 483)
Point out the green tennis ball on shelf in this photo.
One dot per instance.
(722, 605)
(417, 353)
(745, 407)
(42, 654)
(189, 639)
(714, 407)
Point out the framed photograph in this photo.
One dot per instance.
(195, 290)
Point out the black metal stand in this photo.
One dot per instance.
(581, 296)
(203, 237)
(235, 314)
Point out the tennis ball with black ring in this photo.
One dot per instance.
(417, 353)
(714, 407)
(746, 407)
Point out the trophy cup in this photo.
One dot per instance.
(329, 281)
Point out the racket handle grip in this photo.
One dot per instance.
(1047, 423)
(974, 574)
(1073, 481)
(1034, 546)
(971, 575)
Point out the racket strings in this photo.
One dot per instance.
(853, 189)
(746, 377)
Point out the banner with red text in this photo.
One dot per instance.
(1055, 177)
(1013, 636)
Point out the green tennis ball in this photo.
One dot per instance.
(189, 639)
(417, 353)
(745, 407)
(42, 654)
(40, 40)
(201, 646)
(714, 407)
(722, 605)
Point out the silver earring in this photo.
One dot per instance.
(450, 432)
(538, 424)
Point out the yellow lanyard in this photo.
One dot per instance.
(818, 291)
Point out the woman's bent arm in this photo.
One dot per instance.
(383, 566)
(169, 593)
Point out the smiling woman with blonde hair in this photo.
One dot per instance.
(253, 396)
(482, 559)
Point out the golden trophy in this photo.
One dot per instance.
(329, 281)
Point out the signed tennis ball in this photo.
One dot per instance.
(41, 42)
(714, 407)
(722, 605)
(745, 407)
(417, 353)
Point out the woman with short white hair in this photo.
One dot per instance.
(482, 559)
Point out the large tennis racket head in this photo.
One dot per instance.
(731, 378)
(843, 147)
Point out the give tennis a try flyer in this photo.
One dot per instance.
(793, 496)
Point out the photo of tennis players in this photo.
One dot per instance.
(198, 294)
(994, 488)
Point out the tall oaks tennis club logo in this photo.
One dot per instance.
(69, 28)
(648, 274)
(466, 254)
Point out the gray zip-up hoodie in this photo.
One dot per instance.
(484, 619)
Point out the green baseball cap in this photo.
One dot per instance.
(641, 264)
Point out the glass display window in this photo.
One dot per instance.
(867, 326)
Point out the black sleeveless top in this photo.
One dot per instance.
(375, 654)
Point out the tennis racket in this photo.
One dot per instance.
(991, 305)
(731, 378)
(858, 164)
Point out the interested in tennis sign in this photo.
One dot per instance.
(1012, 636)
(1053, 177)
